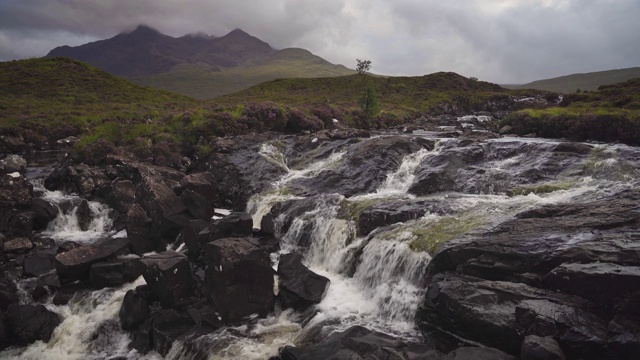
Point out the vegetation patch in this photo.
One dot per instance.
(429, 238)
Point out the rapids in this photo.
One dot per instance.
(377, 278)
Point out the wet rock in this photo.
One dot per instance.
(138, 230)
(500, 314)
(360, 343)
(506, 130)
(240, 278)
(80, 179)
(39, 263)
(50, 279)
(541, 348)
(624, 336)
(13, 163)
(168, 326)
(13, 144)
(299, 286)
(76, 263)
(163, 207)
(236, 224)
(202, 184)
(17, 246)
(29, 323)
(84, 215)
(4, 333)
(67, 246)
(8, 293)
(363, 168)
(134, 310)
(110, 274)
(379, 215)
(478, 353)
(604, 283)
(192, 237)
(169, 275)
(202, 314)
(197, 205)
(44, 243)
(118, 194)
(68, 292)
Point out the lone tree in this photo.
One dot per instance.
(363, 66)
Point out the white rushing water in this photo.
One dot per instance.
(377, 280)
(66, 226)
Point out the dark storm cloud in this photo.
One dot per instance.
(496, 40)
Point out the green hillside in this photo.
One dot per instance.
(612, 113)
(206, 81)
(585, 82)
(420, 94)
(52, 98)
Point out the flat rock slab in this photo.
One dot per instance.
(604, 283)
(75, 263)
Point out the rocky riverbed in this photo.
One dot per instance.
(439, 244)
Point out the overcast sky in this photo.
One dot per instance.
(503, 41)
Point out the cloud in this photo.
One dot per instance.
(496, 40)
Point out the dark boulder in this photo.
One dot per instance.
(624, 336)
(8, 293)
(163, 207)
(17, 246)
(478, 353)
(236, 224)
(67, 246)
(240, 278)
(167, 327)
(107, 274)
(604, 283)
(134, 310)
(4, 333)
(541, 348)
(44, 212)
(13, 163)
(202, 184)
(38, 263)
(84, 215)
(387, 213)
(169, 275)
(197, 205)
(29, 323)
(80, 179)
(76, 263)
(360, 343)
(299, 286)
(500, 314)
(138, 230)
(118, 194)
(192, 237)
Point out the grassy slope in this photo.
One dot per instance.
(204, 81)
(610, 114)
(588, 81)
(395, 94)
(48, 94)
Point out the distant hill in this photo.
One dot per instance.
(198, 65)
(59, 97)
(587, 81)
(402, 95)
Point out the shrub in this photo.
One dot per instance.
(263, 116)
(96, 153)
(297, 121)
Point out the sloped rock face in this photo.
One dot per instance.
(567, 272)
(118, 194)
(363, 168)
(29, 323)
(163, 207)
(134, 310)
(299, 286)
(139, 230)
(240, 278)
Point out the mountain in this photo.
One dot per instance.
(587, 81)
(196, 64)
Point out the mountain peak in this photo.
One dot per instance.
(143, 29)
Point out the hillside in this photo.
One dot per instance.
(198, 65)
(207, 81)
(434, 93)
(612, 113)
(585, 82)
(57, 97)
